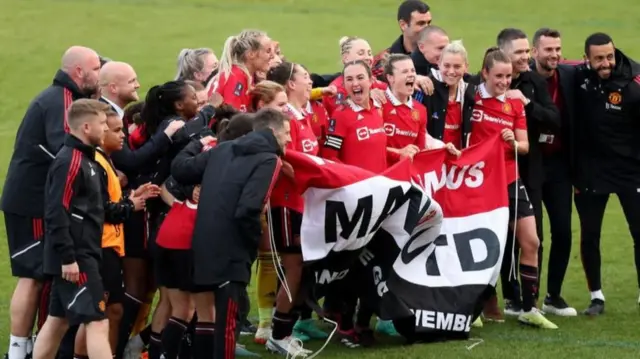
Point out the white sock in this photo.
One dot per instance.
(17, 347)
(597, 295)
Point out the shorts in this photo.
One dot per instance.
(135, 236)
(285, 225)
(521, 208)
(111, 273)
(26, 248)
(79, 303)
(173, 268)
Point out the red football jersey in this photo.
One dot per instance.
(493, 114)
(404, 123)
(332, 102)
(319, 119)
(234, 89)
(355, 136)
(176, 231)
(453, 124)
(285, 193)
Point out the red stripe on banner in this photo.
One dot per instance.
(274, 179)
(68, 100)
(74, 168)
(43, 308)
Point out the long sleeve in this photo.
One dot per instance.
(178, 190)
(114, 212)
(254, 196)
(63, 181)
(128, 160)
(189, 165)
(323, 80)
(541, 108)
(54, 126)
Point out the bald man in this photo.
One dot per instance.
(40, 136)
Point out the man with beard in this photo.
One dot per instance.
(119, 87)
(555, 145)
(431, 41)
(531, 89)
(413, 16)
(40, 136)
(607, 151)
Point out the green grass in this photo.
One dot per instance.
(149, 35)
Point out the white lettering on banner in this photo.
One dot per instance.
(453, 177)
(442, 321)
(326, 276)
(348, 219)
(467, 252)
(381, 285)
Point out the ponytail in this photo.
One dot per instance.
(159, 104)
(226, 57)
(182, 63)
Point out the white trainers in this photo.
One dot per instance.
(262, 335)
(290, 347)
(134, 348)
(558, 306)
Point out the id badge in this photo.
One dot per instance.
(546, 138)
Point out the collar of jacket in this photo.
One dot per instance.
(63, 79)
(398, 47)
(74, 142)
(423, 67)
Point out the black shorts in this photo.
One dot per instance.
(173, 268)
(524, 208)
(284, 225)
(111, 273)
(135, 236)
(24, 236)
(82, 302)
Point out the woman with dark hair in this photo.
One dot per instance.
(165, 104)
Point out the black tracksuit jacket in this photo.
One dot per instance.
(74, 213)
(237, 177)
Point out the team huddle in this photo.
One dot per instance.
(182, 193)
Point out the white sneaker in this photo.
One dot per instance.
(134, 348)
(290, 347)
(558, 306)
(512, 308)
(262, 335)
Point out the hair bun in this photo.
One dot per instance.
(343, 40)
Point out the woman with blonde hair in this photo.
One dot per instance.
(196, 65)
(242, 57)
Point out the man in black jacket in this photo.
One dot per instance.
(237, 178)
(40, 136)
(413, 16)
(607, 151)
(74, 216)
(426, 57)
(531, 89)
(555, 146)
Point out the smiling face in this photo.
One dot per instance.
(403, 78)
(602, 59)
(357, 83)
(498, 78)
(452, 67)
(519, 51)
(548, 52)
